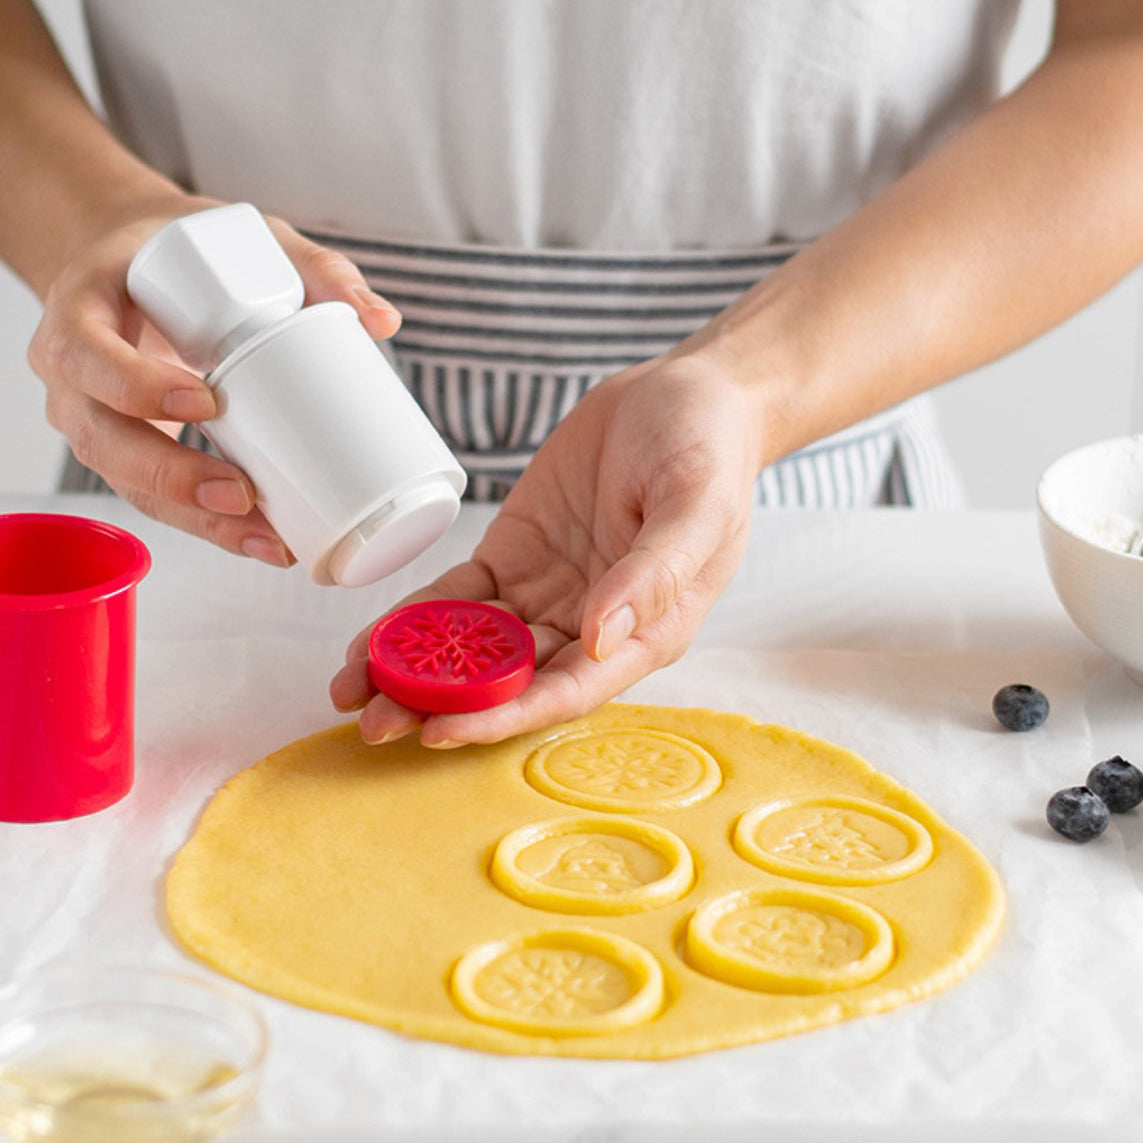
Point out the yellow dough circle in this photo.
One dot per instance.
(570, 982)
(627, 770)
(840, 841)
(721, 882)
(789, 940)
(593, 865)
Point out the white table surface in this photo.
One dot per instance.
(886, 630)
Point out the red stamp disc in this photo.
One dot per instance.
(447, 656)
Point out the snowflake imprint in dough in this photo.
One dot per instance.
(625, 770)
(642, 883)
(553, 983)
(575, 982)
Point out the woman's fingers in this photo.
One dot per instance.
(382, 719)
(574, 680)
(641, 615)
(191, 490)
(570, 685)
(114, 373)
(331, 277)
(103, 393)
(79, 347)
(667, 558)
(351, 688)
(134, 455)
(249, 535)
(470, 580)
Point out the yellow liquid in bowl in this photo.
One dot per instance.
(167, 1093)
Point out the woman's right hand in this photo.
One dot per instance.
(119, 394)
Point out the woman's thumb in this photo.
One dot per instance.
(643, 585)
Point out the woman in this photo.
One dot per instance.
(674, 245)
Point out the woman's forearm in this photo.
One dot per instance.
(1020, 220)
(66, 178)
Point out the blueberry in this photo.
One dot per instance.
(1077, 813)
(1118, 783)
(1019, 707)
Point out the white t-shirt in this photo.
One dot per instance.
(553, 189)
(624, 125)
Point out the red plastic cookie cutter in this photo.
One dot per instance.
(448, 656)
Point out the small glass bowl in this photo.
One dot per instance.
(120, 1055)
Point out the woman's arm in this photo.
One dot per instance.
(75, 206)
(1017, 222)
(633, 515)
(67, 178)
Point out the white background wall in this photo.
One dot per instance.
(1004, 423)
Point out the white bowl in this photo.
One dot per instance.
(1090, 508)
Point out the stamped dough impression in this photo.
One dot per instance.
(593, 865)
(788, 940)
(574, 982)
(436, 894)
(626, 770)
(839, 841)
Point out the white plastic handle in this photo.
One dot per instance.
(212, 280)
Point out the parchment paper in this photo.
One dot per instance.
(1044, 1041)
(935, 611)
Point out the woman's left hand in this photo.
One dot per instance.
(619, 536)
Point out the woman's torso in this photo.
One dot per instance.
(622, 125)
(472, 156)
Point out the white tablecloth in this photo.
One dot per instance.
(885, 631)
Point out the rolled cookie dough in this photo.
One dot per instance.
(642, 883)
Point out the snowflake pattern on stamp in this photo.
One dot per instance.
(451, 645)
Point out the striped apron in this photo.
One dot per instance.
(497, 346)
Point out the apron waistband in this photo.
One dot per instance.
(497, 345)
(552, 309)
